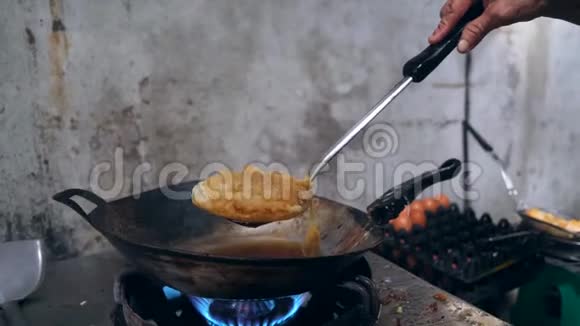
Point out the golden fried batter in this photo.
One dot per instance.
(253, 195)
(570, 225)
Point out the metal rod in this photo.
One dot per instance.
(378, 108)
(466, 118)
(510, 236)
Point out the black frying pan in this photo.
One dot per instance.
(177, 242)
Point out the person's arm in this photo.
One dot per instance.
(500, 13)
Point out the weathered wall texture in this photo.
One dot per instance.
(198, 82)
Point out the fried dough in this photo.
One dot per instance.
(253, 195)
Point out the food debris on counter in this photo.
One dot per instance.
(394, 295)
(386, 281)
(440, 297)
(433, 307)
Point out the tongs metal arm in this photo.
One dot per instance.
(342, 142)
(507, 180)
(415, 70)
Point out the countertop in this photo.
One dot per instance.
(79, 292)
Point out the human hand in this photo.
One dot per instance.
(497, 13)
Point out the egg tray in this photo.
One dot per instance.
(455, 245)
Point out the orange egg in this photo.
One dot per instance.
(406, 212)
(417, 205)
(443, 200)
(418, 217)
(402, 223)
(431, 205)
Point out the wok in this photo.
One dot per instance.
(172, 240)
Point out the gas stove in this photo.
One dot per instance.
(106, 290)
(142, 301)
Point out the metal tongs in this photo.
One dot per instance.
(507, 180)
(415, 70)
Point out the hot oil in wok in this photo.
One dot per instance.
(270, 247)
(311, 245)
(261, 248)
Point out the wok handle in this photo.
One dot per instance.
(65, 197)
(391, 203)
(419, 67)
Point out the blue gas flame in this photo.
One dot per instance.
(171, 293)
(258, 312)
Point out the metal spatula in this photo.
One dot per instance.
(415, 70)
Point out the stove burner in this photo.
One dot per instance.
(263, 312)
(143, 301)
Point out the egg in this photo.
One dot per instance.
(402, 223)
(431, 205)
(406, 212)
(443, 200)
(417, 205)
(418, 217)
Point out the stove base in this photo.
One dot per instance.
(141, 301)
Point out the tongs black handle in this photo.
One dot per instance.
(391, 203)
(479, 138)
(425, 62)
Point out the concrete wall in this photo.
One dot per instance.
(205, 81)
